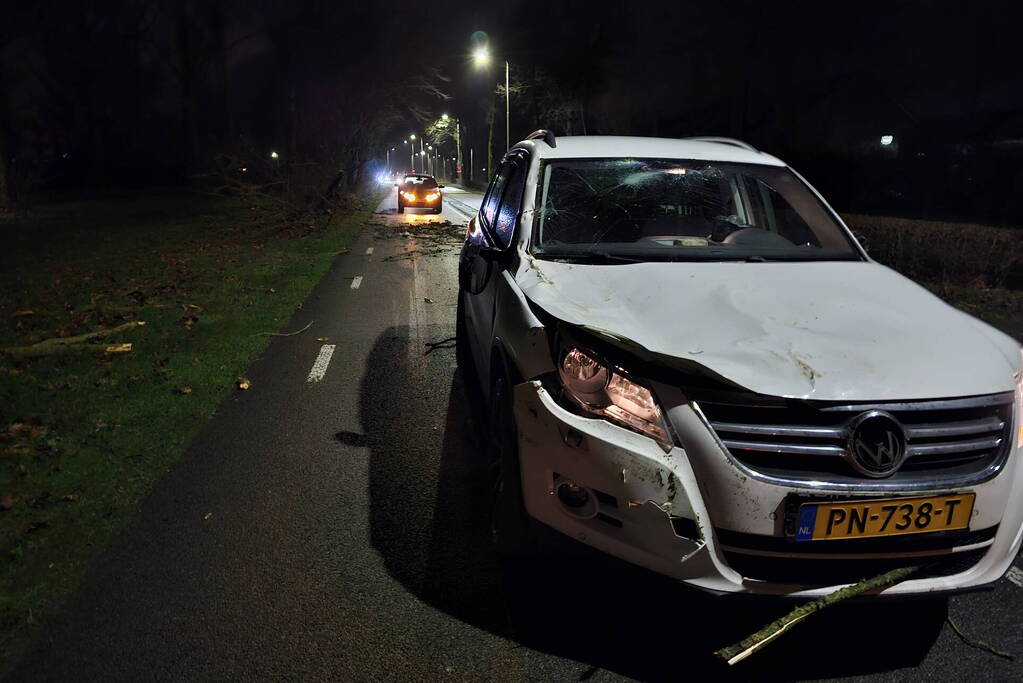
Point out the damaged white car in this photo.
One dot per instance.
(692, 365)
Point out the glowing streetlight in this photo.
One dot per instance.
(481, 57)
(887, 140)
(412, 137)
(274, 155)
(444, 116)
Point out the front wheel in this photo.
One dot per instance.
(510, 527)
(438, 209)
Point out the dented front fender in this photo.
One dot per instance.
(647, 508)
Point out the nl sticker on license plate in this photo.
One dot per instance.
(884, 517)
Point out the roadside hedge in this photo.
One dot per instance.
(946, 254)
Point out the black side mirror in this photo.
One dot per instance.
(396, 184)
(440, 187)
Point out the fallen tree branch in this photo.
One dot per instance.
(448, 343)
(734, 654)
(980, 645)
(61, 344)
(285, 334)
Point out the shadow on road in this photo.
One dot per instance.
(429, 499)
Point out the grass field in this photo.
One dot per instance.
(85, 433)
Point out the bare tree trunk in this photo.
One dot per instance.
(490, 140)
(5, 194)
(225, 121)
(186, 60)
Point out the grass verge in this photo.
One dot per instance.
(84, 434)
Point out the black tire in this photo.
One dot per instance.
(463, 354)
(401, 207)
(511, 529)
(438, 209)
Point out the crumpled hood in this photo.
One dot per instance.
(822, 330)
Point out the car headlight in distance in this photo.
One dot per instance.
(603, 391)
(409, 196)
(432, 196)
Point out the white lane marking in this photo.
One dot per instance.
(1016, 576)
(417, 314)
(356, 281)
(369, 250)
(462, 209)
(321, 363)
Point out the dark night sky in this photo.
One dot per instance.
(169, 85)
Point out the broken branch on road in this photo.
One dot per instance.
(61, 344)
(285, 334)
(448, 343)
(734, 654)
(980, 645)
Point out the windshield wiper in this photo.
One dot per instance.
(588, 256)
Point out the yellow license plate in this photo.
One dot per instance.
(885, 517)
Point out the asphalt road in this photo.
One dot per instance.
(337, 529)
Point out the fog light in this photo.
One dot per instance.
(573, 495)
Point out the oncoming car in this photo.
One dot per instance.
(419, 191)
(691, 364)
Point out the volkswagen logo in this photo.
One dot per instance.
(877, 444)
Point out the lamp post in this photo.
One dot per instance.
(481, 57)
(422, 149)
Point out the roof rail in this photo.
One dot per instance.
(545, 135)
(726, 141)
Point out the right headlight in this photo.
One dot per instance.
(604, 391)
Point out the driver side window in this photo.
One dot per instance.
(493, 198)
(500, 209)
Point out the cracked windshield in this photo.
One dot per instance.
(652, 210)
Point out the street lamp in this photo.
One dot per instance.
(481, 57)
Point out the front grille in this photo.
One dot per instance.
(828, 572)
(948, 442)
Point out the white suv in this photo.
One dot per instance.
(692, 365)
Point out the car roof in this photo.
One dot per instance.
(604, 146)
(418, 175)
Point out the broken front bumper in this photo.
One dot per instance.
(644, 502)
